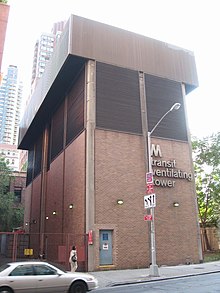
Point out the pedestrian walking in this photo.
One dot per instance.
(73, 259)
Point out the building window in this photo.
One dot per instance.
(17, 194)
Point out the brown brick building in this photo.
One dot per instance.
(4, 13)
(86, 132)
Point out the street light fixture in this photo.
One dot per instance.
(175, 107)
(154, 267)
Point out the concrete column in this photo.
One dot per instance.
(43, 187)
(90, 164)
(147, 147)
(144, 116)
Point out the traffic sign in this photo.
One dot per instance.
(149, 177)
(150, 201)
(149, 188)
(148, 217)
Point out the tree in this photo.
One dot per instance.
(206, 156)
(11, 213)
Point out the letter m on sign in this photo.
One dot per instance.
(156, 151)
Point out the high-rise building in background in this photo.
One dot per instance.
(11, 94)
(4, 13)
(11, 91)
(10, 107)
(43, 50)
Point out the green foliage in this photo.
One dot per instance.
(11, 214)
(4, 1)
(206, 154)
(211, 256)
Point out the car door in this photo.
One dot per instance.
(22, 279)
(49, 281)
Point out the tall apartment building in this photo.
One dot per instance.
(43, 50)
(11, 91)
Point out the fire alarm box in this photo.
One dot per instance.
(90, 237)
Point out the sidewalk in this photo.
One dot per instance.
(121, 277)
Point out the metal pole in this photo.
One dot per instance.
(154, 272)
(154, 267)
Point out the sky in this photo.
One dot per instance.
(190, 24)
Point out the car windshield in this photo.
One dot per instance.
(3, 267)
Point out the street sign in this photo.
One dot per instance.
(150, 201)
(149, 177)
(149, 188)
(28, 251)
(148, 217)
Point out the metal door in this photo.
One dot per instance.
(105, 247)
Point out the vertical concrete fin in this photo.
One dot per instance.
(144, 116)
(90, 148)
(43, 187)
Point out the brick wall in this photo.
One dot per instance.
(74, 187)
(120, 174)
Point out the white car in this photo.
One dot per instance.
(42, 277)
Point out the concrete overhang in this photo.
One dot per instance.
(84, 39)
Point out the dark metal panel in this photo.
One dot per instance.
(45, 86)
(112, 45)
(57, 132)
(161, 94)
(30, 166)
(38, 156)
(117, 99)
(75, 108)
(33, 122)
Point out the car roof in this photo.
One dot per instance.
(28, 262)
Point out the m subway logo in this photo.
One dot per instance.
(156, 150)
(165, 172)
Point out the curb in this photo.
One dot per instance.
(160, 279)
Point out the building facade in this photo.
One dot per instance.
(86, 132)
(11, 155)
(4, 14)
(43, 50)
(11, 93)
